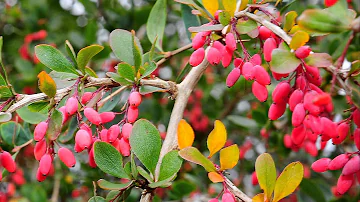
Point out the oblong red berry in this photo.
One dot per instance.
(276, 110)
(313, 71)
(233, 77)
(86, 127)
(321, 165)
(338, 162)
(261, 75)
(344, 183)
(227, 197)
(356, 117)
(298, 135)
(198, 41)
(106, 117)
(67, 157)
(264, 32)
(71, 105)
(126, 130)
(92, 115)
(308, 103)
(218, 45)
(40, 149)
(357, 138)
(278, 76)
(322, 99)
(269, 46)
(302, 52)
(310, 148)
(132, 114)
(238, 63)
(124, 147)
(310, 135)
(247, 71)
(113, 133)
(301, 83)
(86, 97)
(65, 115)
(254, 179)
(287, 141)
(40, 177)
(226, 57)
(315, 124)
(134, 99)
(328, 127)
(281, 92)
(92, 162)
(295, 98)
(230, 41)
(83, 139)
(352, 166)
(45, 164)
(259, 91)
(342, 131)
(256, 59)
(104, 135)
(298, 115)
(40, 131)
(197, 57)
(213, 56)
(7, 161)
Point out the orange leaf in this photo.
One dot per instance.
(47, 84)
(258, 198)
(217, 138)
(299, 39)
(185, 134)
(215, 177)
(229, 157)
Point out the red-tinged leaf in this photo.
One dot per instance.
(47, 84)
(319, 60)
(215, 177)
(283, 61)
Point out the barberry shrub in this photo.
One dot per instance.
(284, 88)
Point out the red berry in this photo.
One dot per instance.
(321, 165)
(86, 97)
(92, 115)
(45, 164)
(256, 59)
(310, 148)
(287, 141)
(124, 147)
(352, 166)
(344, 183)
(7, 161)
(238, 63)
(86, 127)
(298, 115)
(134, 99)
(298, 135)
(356, 117)
(342, 131)
(259, 91)
(313, 71)
(247, 71)
(278, 76)
(214, 200)
(338, 162)
(92, 162)
(226, 57)
(328, 127)
(197, 57)
(315, 124)
(106, 117)
(322, 99)
(126, 131)
(64, 114)
(40, 149)
(301, 83)
(67, 157)
(218, 46)
(329, 3)
(40, 35)
(261, 75)
(264, 133)
(227, 197)
(104, 135)
(281, 92)
(40, 131)
(269, 46)
(230, 41)
(71, 106)
(216, 14)
(132, 114)
(264, 33)
(302, 52)
(276, 110)
(113, 133)
(309, 105)
(213, 56)
(39, 176)
(233, 77)
(254, 179)
(83, 139)
(199, 40)
(357, 138)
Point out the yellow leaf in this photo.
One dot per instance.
(299, 39)
(258, 198)
(185, 134)
(47, 84)
(289, 20)
(288, 180)
(217, 138)
(215, 177)
(266, 174)
(230, 6)
(229, 157)
(243, 5)
(294, 29)
(211, 5)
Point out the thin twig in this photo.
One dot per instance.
(172, 53)
(103, 101)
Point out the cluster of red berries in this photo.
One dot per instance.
(7, 191)
(194, 114)
(84, 137)
(350, 165)
(24, 49)
(7, 162)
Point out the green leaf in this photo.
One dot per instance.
(5, 117)
(96, 199)
(193, 155)
(55, 125)
(118, 79)
(149, 89)
(47, 85)
(319, 60)
(145, 174)
(85, 55)
(162, 183)
(109, 160)
(70, 51)
(145, 142)
(54, 59)
(288, 180)
(122, 45)
(283, 61)
(1, 45)
(127, 169)
(70, 132)
(266, 174)
(149, 68)
(5, 91)
(156, 22)
(312, 189)
(289, 20)
(189, 19)
(126, 71)
(136, 52)
(170, 165)
(224, 18)
(183, 72)
(242, 121)
(38, 106)
(111, 195)
(13, 133)
(355, 91)
(31, 117)
(246, 26)
(134, 171)
(104, 184)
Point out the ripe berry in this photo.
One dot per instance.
(261, 75)
(134, 99)
(322, 99)
(86, 127)
(230, 41)
(106, 117)
(71, 106)
(301, 83)
(342, 131)
(356, 117)
(276, 110)
(309, 105)
(83, 139)
(357, 138)
(298, 115)
(238, 63)
(227, 197)
(126, 131)
(226, 57)
(214, 200)
(40, 149)
(213, 56)
(259, 91)
(40, 131)
(256, 59)
(124, 147)
(269, 46)
(328, 127)
(132, 114)
(233, 77)
(197, 57)
(219, 46)
(344, 183)
(287, 141)
(86, 97)
(7, 161)
(247, 71)
(64, 114)
(92, 162)
(264, 33)
(198, 41)
(313, 71)
(104, 135)
(278, 76)
(113, 133)
(302, 52)
(254, 179)
(92, 115)
(298, 135)
(67, 157)
(39, 176)
(45, 164)
(338, 162)
(216, 14)
(352, 166)
(281, 92)
(310, 148)
(321, 165)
